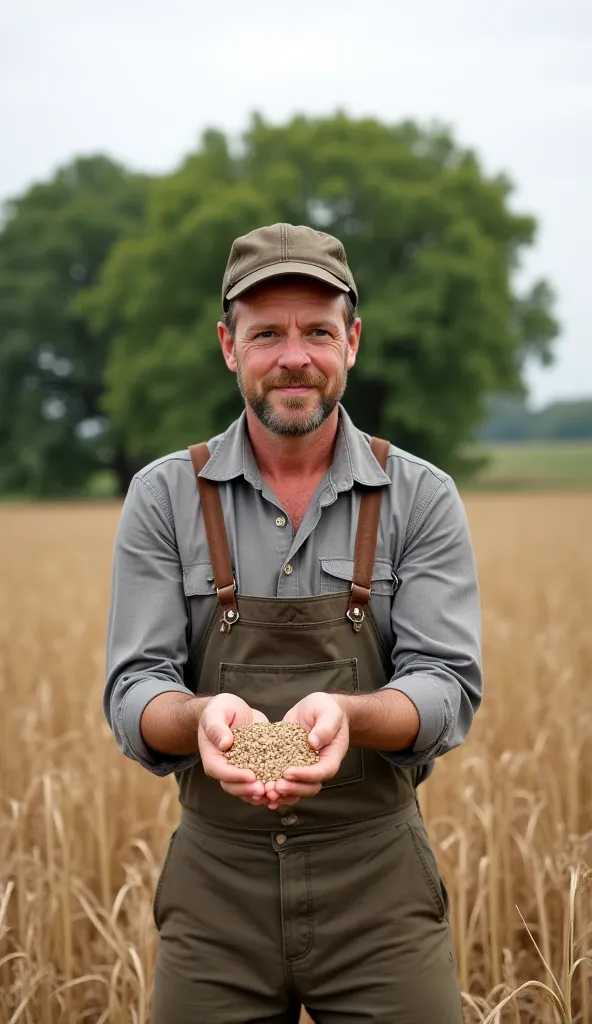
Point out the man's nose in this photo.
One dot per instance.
(294, 354)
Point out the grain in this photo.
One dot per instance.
(269, 748)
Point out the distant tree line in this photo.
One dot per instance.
(513, 419)
(110, 292)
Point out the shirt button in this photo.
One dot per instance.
(280, 521)
(288, 569)
(281, 839)
(290, 819)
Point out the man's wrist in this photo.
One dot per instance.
(384, 719)
(345, 703)
(170, 723)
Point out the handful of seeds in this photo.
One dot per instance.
(268, 748)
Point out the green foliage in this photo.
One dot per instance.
(432, 244)
(511, 419)
(564, 421)
(53, 241)
(110, 293)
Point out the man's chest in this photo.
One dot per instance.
(295, 502)
(272, 557)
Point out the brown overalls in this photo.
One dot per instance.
(336, 904)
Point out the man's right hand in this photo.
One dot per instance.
(219, 717)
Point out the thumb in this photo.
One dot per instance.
(323, 731)
(220, 734)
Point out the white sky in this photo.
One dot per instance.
(140, 79)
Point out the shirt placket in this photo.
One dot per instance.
(288, 577)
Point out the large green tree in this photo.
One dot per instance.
(433, 245)
(53, 240)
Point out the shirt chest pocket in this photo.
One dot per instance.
(336, 576)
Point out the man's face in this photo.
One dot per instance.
(291, 352)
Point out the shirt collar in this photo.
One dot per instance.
(352, 460)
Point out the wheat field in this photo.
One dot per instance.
(84, 830)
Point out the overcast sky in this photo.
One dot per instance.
(139, 79)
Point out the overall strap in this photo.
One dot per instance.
(217, 539)
(366, 538)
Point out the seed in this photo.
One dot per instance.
(269, 748)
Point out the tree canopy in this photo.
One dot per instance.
(512, 419)
(432, 244)
(54, 239)
(431, 239)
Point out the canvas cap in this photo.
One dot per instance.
(279, 249)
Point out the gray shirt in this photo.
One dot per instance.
(163, 589)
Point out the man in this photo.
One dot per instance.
(313, 575)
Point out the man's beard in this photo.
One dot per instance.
(277, 422)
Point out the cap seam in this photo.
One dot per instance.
(231, 278)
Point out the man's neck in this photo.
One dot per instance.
(293, 458)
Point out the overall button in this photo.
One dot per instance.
(290, 819)
(280, 521)
(288, 569)
(281, 839)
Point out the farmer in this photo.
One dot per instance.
(314, 574)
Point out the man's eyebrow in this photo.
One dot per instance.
(321, 324)
(279, 328)
(265, 326)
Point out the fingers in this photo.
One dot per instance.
(258, 716)
(327, 766)
(251, 793)
(216, 765)
(285, 794)
(296, 790)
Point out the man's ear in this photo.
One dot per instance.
(227, 344)
(353, 342)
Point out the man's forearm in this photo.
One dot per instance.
(384, 720)
(169, 723)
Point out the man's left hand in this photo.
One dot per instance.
(326, 722)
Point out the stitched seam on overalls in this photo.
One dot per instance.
(307, 667)
(428, 874)
(296, 626)
(309, 911)
(214, 618)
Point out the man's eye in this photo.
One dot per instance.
(319, 332)
(265, 335)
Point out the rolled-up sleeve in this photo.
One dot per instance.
(437, 625)
(146, 636)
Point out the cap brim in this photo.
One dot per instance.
(280, 270)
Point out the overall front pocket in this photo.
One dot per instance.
(274, 689)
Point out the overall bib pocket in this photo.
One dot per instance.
(274, 689)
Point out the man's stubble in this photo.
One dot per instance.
(278, 423)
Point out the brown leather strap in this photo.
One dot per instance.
(366, 538)
(217, 539)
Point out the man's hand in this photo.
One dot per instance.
(327, 725)
(220, 716)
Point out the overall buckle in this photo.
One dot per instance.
(229, 615)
